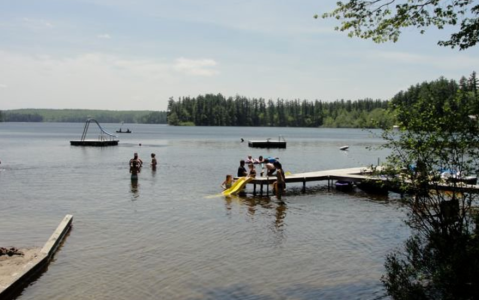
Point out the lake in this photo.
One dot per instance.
(172, 236)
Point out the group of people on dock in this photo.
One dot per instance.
(271, 166)
(136, 163)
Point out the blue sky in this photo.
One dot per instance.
(135, 55)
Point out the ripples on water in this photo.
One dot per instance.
(172, 237)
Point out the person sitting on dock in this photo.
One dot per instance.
(252, 171)
(241, 169)
(249, 160)
(135, 166)
(228, 182)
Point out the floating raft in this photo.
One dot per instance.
(268, 143)
(95, 143)
(105, 138)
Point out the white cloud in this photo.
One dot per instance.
(3, 86)
(98, 81)
(36, 23)
(198, 67)
(104, 36)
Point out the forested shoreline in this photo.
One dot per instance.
(216, 110)
(81, 115)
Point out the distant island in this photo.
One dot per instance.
(81, 115)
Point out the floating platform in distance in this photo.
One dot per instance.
(268, 143)
(95, 143)
(105, 138)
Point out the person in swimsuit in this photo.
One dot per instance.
(280, 184)
(135, 165)
(252, 171)
(270, 168)
(153, 161)
(228, 182)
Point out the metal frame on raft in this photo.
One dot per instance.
(105, 138)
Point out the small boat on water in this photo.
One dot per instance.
(344, 148)
(120, 131)
(127, 131)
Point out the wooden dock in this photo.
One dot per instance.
(355, 175)
(351, 174)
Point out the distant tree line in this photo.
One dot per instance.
(438, 92)
(216, 110)
(77, 115)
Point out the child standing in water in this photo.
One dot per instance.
(153, 161)
(228, 182)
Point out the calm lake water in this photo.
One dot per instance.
(170, 237)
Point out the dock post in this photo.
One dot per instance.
(254, 189)
(304, 184)
(261, 189)
(267, 187)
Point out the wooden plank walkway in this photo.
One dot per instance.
(355, 175)
(350, 174)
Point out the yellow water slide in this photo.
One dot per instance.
(237, 186)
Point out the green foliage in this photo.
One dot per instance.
(435, 267)
(186, 124)
(22, 117)
(156, 117)
(216, 110)
(441, 258)
(78, 115)
(383, 20)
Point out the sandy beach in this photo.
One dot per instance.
(12, 266)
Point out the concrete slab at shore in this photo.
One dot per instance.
(36, 262)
